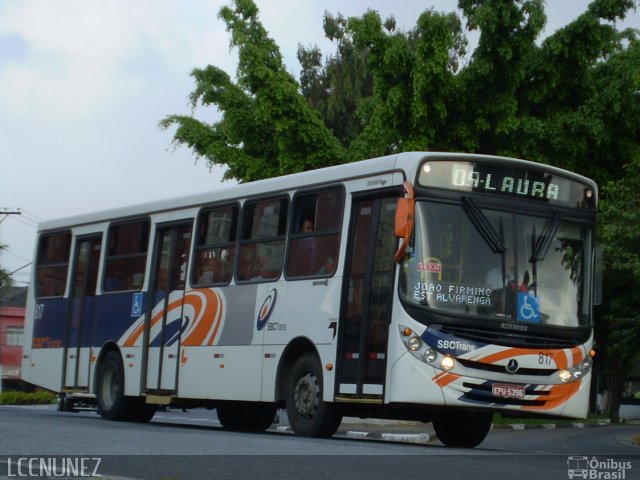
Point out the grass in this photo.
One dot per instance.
(13, 397)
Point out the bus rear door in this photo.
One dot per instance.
(165, 320)
(79, 328)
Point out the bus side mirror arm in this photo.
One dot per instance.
(405, 214)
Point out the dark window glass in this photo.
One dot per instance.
(126, 256)
(262, 240)
(53, 264)
(215, 249)
(315, 234)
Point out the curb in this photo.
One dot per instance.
(421, 433)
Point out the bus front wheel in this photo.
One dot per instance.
(308, 414)
(462, 429)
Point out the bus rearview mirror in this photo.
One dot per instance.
(405, 213)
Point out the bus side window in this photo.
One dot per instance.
(262, 240)
(215, 247)
(52, 264)
(126, 256)
(314, 240)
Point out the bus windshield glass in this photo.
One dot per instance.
(479, 262)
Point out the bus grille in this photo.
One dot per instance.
(510, 339)
(489, 367)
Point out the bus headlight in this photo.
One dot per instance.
(565, 375)
(447, 363)
(575, 373)
(430, 355)
(414, 343)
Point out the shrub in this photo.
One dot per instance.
(12, 397)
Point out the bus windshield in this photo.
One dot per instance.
(478, 262)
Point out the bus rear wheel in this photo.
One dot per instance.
(308, 414)
(247, 417)
(141, 411)
(462, 429)
(112, 403)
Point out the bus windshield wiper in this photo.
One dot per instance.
(541, 244)
(483, 225)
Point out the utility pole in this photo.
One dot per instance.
(6, 212)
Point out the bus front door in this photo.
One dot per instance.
(366, 305)
(165, 320)
(79, 328)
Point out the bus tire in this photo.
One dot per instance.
(246, 417)
(143, 412)
(112, 403)
(65, 404)
(462, 429)
(308, 414)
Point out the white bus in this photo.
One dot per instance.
(421, 286)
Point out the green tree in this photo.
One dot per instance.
(5, 278)
(576, 104)
(413, 83)
(570, 100)
(619, 331)
(268, 128)
(337, 88)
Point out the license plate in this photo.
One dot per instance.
(507, 391)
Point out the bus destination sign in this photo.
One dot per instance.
(507, 180)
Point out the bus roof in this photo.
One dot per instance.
(406, 162)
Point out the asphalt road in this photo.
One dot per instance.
(177, 446)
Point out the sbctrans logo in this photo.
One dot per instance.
(597, 468)
(266, 309)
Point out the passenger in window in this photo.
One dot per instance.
(225, 266)
(501, 275)
(307, 226)
(328, 267)
(503, 285)
(310, 255)
(308, 244)
(206, 270)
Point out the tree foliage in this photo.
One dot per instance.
(618, 332)
(569, 100)
(5, 279)
(268, 128)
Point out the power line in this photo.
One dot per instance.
(28, 222)
(30, 214)
(6, 275)
(6, 212)
(6, 250)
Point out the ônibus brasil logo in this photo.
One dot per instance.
(266, 309)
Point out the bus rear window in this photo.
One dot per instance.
(52, 264)
(215, 249)
(126, 256)
(262, 240)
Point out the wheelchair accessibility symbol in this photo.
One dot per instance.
(136, 304)
(528, 308)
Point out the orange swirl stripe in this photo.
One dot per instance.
(207, 321)
(557, 395)
(133, 338)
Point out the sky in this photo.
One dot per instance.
(84, 83)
